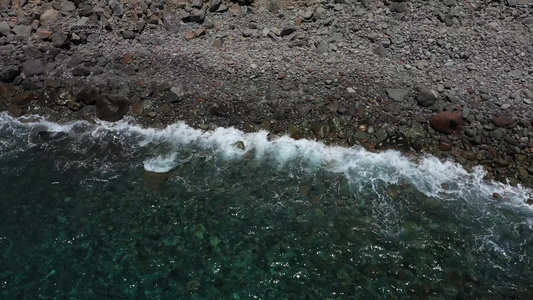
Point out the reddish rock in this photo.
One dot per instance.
(22, 98)
(444, 146)
(200, 31)
(44, 34)
(15, 111)
(298, 21)
(493, 151)
(447, 122)
(7, 91)
(502, 121)
(281, 75)
(126, 59)
(497, 196)
(189, 35)
(137, 108)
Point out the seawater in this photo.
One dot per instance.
(116, 211)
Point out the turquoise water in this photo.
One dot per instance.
(84, 215)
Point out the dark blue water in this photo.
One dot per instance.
(81, 218)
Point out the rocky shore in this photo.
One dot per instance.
(451, 78)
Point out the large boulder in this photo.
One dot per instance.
(111, 108)
(447, 122)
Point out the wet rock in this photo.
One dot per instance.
(74, 105)
(43, 136)
(394, 141)
(22, 98)
(137, 109)
(502, 121)
(33, 67)
(240, 145)
(155, 179)
(47, 96)
(447, 122)
(397, 94)
(7, 91)
(15, 111)
(321, 129)
(88, 95)
(111, 108)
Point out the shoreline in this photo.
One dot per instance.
(377, 80)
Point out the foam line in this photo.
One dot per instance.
(426, 173)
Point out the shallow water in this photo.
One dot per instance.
(82, 217)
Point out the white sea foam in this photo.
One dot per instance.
(161, 163)
(427, 173)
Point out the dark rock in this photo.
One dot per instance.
(366, 3)
(502, 121)
(128, 35)
(5, 30)
(48, 96)
(395, 141)
(197, 15)
(75, 61)
(43, 136)
(215, 4)
(381, 51)
(288, 31)
(15, 111)
(74, 105)
(137, 108)
(22, 30)
(7, 91)
(447, 122)
(220, 111)
(30, 85)
(425, 98)
(9, 74)
(81, 71)
(22, 98)
(398, 7)
(397, 94)
(60, 40)
(33, 67)
(174, 95)
(111, 108)
(321, 129)
(88, 95)
(117, 8)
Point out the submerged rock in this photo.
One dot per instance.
(155, 179)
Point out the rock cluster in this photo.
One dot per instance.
(452, 78)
